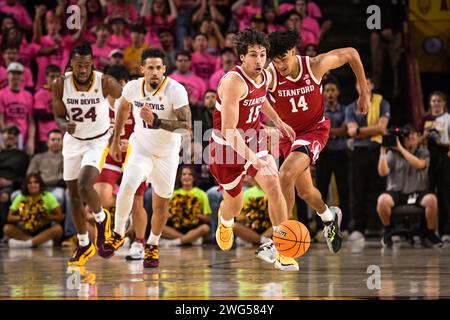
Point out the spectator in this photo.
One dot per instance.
(193, 84)
(189, 212)
(228, 58)
(208, 10)
(43, 110)
(230, 42)
(258, 23)
(33, 216)
(95, 17)
(14, 8)
(366, 185)
(7, 22)
(311, 50)
(183, 25)
(161, 16)
(407, 183)
(13, 168)
(203, 64)
(122, 8)
(168, 46)
(100, 48)
(27, 51)
(49, 165)
(116, 58)
(119, 39)
(293, 22)
(334, 157)
(204, 114)
(270, 17)
(56, 47)
(253, 226)
(11, 54)
(215, 38)
(308, 24)
(16, 106)
(132, 54)
(436, 129)
(245, 10)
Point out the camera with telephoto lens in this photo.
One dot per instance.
(390, 140)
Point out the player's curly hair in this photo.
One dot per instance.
(281, 42)
(152, 53)
(250, 37)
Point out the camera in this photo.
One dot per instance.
(390, 140)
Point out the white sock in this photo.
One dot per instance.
(83, 239)
(153, 239)
(176, 242)
(327, 215)
(100, 217)
(226, 223)
(263, 240)
(27, 243)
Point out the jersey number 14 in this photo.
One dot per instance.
(301, 104)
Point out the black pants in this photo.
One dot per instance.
(365, 187)
(334, 162)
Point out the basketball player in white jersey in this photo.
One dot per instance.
(82, 110)
(160, 107)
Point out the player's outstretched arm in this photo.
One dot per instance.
(337, 58)
(184, 120)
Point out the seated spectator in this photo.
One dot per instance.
(43, 109)
(116, 58)
(168, 47)
(100, 48)
(245, 10)
(194, 85)
(18, 11)
(11, 54)
(228, 61)
(13, 168)
(189, 212)
(203, 64)
(132, 54)
(119, 37)
(253, 225)
(161, 16)
(16, 106)
(407, 183)
(33, 216)
(216, 42)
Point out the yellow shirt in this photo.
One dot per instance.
(132, 58)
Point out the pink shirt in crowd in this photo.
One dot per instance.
(312, 7)
(194, 85)
(28, 52)
(100, 52)
(18, 12)
(153, 25)
(119, 42)
(28, 81)
(59, 58)
(215, 78)
(43, 101)
(204, 65)
(311, 25)
(130, 11)
(16, 108)
(245, 14)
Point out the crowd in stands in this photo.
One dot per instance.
(197, 37)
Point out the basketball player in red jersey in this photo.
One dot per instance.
(296, 93)
(112, 171)
(236, 147)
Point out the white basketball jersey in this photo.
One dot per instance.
(170, 96)
(88, 109)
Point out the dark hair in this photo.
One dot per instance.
(54, 131)
(52, 68)
(103, 26)
(8, 45)
(439, 94)
(331, 81)
(201, 34)
(408, 129)
(250, 37)
(118, 72)
(38, 177)
(152, 53)
(227, 50)
(281, 42)
(208, 91)
(83, 49)
(138, 28)
(183, 53)
(180, 173)
(164, 30)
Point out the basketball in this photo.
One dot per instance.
(292, 239)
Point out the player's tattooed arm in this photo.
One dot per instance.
(184, 120)
(111, 87)
(59, 109)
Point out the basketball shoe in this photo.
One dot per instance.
(151, 256)
(81, 255)
(111, 245)
(266, 252)
(103, 230)
(224, 236)
(286, 263)
(332, 231)
(136, 252)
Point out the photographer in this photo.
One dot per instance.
(407, 183)
(436, 131)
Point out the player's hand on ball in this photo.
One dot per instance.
(363, 103)
(147, 115)
(70, 127)
(115, 150)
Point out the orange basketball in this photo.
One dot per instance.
(292, 239)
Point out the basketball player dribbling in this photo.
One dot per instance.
(237, 130)
(81, 108)
(296, 94)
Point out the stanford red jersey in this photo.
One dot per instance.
(299, 102)
(249, 106)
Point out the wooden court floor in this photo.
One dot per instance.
(362, 270)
